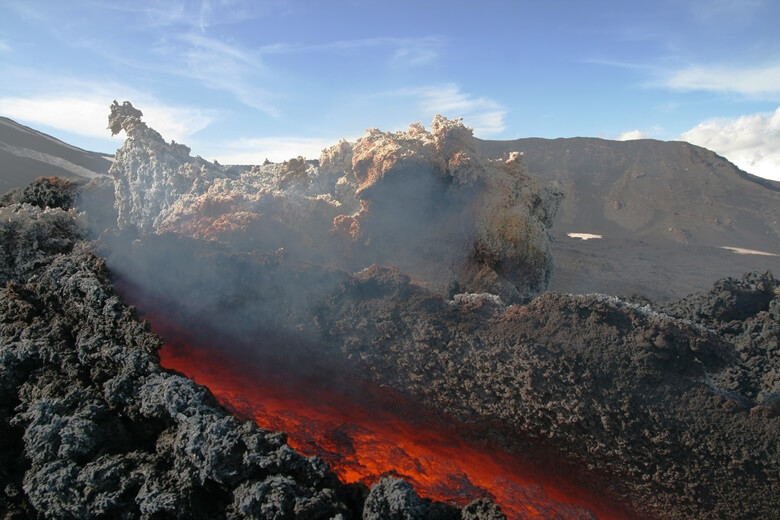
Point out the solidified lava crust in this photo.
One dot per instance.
(365, 432)
(93, 426)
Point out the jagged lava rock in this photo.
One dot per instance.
(440, 211)
(93, 427)
(427, 202)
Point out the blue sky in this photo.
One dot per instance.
(243, 80)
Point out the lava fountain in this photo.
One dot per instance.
(364, 433)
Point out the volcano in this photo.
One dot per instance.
(388, 308)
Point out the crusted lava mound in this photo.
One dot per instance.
(427, 202)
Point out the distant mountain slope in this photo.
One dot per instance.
(26, 154)
(653, 190)
(665, 211)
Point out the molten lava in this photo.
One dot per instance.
(365, 434)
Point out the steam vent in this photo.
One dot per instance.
(363, 336)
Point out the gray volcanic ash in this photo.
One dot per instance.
(384, 268)
(664, 210)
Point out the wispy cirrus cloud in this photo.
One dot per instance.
(219, 65)
(761, 81)
(4, 46)
(408, 51)
(485, 115)
(84, 111)
(751, 141)
(195, 14)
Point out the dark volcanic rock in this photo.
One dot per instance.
(95, 427)
(395, 499)
(92, 426)
(624, 392)
(52, 192)
(747, 312)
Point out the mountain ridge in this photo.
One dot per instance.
(26, 153)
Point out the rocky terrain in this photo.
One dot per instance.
(94, 427)
(672, 408)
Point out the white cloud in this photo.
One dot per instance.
(88, 114)
(4, 47)
(219, 65)
(754, 81)
(485, 115)
(752, 142)
(257, 150)
(406, 51)
(707, 10)
(630, 135)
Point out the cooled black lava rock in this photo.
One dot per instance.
(52, 192)
(633, 397)
(395, 499)
(92, 426)
(95, 426)
(747, 312)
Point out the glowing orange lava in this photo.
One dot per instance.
(362, 440)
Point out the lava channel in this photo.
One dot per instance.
(364, 438)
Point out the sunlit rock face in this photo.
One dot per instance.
(427, 202)
(440, 211)
(150, 174)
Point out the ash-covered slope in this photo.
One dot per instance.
(92, 427)
(653, 190)
(664, 209)
(26, 154)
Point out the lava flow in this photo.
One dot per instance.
(362, 440)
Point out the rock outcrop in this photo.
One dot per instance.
(436, 208)
(150, 174)
(427, 202)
